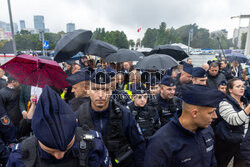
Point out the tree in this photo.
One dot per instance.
(99, 33)
(243, 40)
(117, 38)
(149, 38)
(131, 43)
(2, 43)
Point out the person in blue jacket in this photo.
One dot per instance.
(7, 136)
(122, 134)
(57, 140)
(188, 140)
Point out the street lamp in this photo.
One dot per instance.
(12, 29)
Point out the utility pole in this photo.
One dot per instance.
(190, 38)
(12, 28)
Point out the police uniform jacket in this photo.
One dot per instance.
(173, 146)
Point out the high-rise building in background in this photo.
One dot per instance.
(238, 34)
(6, 26)
(39, 23)
(70, 27)
(22, 25)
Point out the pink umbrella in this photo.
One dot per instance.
(33, 71)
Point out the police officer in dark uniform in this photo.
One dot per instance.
(80, 84)
(119, 95)
(199, 76)
(7, 136)
(188, 140)
(145, 114)
(184, 78)
(57, 141)
(119, 129)
(168, 104)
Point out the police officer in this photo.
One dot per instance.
(57, 141)
(168, 104)
(199, 76)
(80, 84)
(118, 94)
(119, 129)
(188, 140)
(7, 136)
(184, 78)
(145, 114)
(223, 86)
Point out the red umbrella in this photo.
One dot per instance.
(33, 71)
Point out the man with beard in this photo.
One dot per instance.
(214, 76)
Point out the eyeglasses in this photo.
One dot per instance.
(240, 87)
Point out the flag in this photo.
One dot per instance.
(139, 29)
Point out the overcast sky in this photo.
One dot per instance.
(128, 15)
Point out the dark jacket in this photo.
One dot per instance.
(25, 94)
(76, 102)
(3, 83)
(173, 146)
(213, 81)
(227, 72)
(115, 132)
(9, 99)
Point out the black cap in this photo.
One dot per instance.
(77, 77)
(201, 95)
(199, 72)
(100, 76)
(187, 68)
(139, 88)
(167, 81)
(223, 83)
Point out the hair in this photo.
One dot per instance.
(213, 64)
(224, 61)
(11, 79)
(230, 84)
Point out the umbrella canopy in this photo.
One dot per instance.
(70, 44)
(124, 55)
(99, 48)
(156, 62)
(172, 50)
(45, 57)
(77, 56)
(33, 71)
(236, 57)
(248, 62)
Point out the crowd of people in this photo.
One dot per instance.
(113, 114)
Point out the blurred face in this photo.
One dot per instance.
(126, 65)
(120, 78)
(155, 89)
(222, 88)
(175, 73)
(213, 71)
(167, 92)
(16, 84)
(200, 81)
(223, 65)
(68, 66)
(75, 69)
(99, 95)
(113, 83)
(1, 73)
(185, 77)
(80, 89)
(204, 116)
(104, 65)
(140, 100)
(205, 66)
(58, 154)
(238, 89)
(189, 61)
(134, 76)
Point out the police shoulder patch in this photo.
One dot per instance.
(5, 120)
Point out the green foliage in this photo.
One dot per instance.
(117, 38)
(131, 43)
(25, 40)
(243, 40)
(149, 38)
(2, 43)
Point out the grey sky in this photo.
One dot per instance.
(128, 15)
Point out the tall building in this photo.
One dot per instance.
(237, 35)
(22, 24)
(39, 23)
(70, 27)
(6, 26)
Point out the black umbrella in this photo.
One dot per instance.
(124, 55)
(70, 44)
(172, 50)
(156, 62)
(99, 48)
